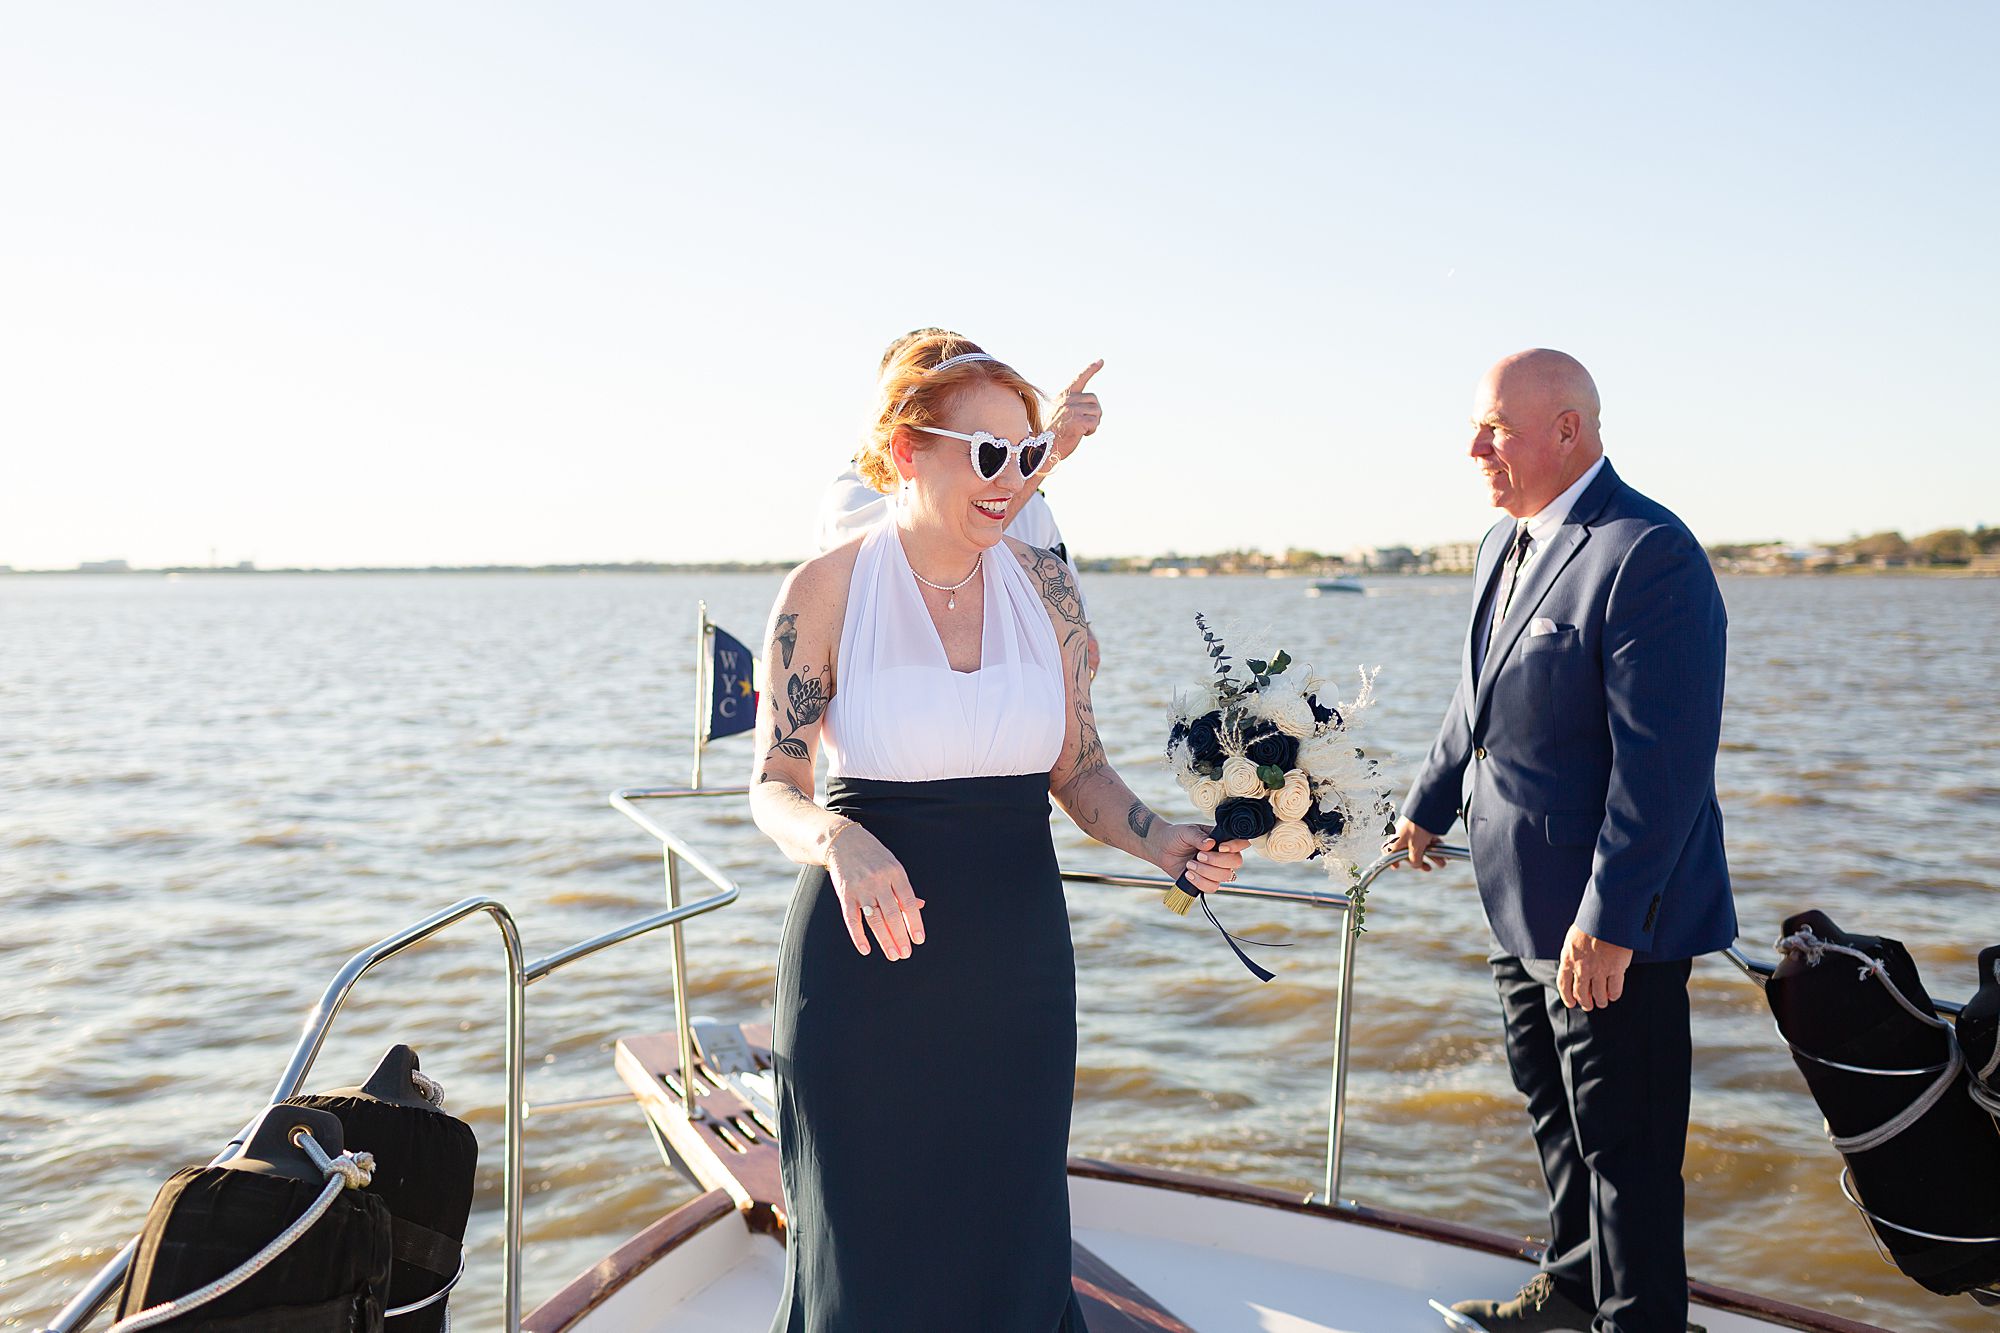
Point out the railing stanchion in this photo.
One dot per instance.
(517, 1095)
(1343, 1009)
(683, 1021)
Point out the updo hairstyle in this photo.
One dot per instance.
(909, 395)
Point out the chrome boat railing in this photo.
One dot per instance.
(676, 850)
(520, 975)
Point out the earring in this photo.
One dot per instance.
(903, 495)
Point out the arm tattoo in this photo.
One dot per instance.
(805, 703)
(1139, 819)
(787, 636)
(1058, 584)
(1089, 749)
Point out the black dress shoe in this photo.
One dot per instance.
(1535, 1308)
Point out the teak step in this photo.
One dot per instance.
(731, 1146)
(728, 1144)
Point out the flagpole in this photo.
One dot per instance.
(701, 687)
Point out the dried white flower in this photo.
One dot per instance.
(1206, 793)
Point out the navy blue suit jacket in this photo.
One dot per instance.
(1583, 761)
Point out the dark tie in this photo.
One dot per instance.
(1517, 558)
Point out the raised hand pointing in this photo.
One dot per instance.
(1078, 413)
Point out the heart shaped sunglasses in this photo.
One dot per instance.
(990, 452)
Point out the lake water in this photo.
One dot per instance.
(214, 789)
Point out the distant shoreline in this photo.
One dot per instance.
(1127, 566)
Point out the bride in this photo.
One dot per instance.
(925, 1019)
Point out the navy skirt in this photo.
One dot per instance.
(923, 1105)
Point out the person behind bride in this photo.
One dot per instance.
(851, 506)
(924, 1026)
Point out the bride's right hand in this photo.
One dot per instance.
(866, 875)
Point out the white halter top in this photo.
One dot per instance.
(901, 714)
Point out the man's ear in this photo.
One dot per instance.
(1569, 429)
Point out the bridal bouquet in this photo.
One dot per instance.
(1272, 758)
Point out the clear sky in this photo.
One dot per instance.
(468, 283)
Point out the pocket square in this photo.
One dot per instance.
(1539, 626)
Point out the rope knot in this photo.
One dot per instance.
(355, 1169)
(1805, 944)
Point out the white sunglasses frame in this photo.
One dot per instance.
(1047, 439)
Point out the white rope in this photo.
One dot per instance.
(1812, 948)
(1915, 1111)
(350, 1170)
(428, 1088)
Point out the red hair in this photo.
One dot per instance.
(913, 394)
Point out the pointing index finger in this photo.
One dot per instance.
(1076, 385)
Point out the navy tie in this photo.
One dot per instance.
(1517, 558)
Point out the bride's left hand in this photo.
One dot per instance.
(1191, 850)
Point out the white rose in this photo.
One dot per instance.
(1206, 793)
(1291, 840)
(1292, 800)
(1239, 777)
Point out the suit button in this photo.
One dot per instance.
(1479, 753)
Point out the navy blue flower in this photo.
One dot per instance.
(1204, 738)
(1273, 748)
(1321, 713)
(1244, 817)
(1330, 822)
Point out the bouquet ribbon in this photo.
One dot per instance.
(1235, 942)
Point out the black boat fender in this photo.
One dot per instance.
(425, 1165)
(1979, 1035)
(209, 1221)
(1889, 1077)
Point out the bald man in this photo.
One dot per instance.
(1580, 751)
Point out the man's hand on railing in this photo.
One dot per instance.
(1417, 843)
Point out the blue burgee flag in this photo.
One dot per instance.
(732, 686)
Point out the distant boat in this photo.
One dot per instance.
(1321, 586)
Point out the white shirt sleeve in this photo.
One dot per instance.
(849, 508)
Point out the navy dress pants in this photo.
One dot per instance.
(1607, 1094)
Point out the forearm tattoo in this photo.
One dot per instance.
(805, 703)
(787, 636)
(1139, 819)
(1089, 750)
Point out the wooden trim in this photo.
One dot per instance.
(602, 1280)
(1777, 1312)
(1112, 1302)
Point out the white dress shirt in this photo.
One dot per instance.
(1541, 527)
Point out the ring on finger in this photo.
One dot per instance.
(869, 909)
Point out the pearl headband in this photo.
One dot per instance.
(961, 359)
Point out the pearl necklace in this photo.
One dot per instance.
(951, 590)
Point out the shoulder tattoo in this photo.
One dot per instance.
(1058, 584)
